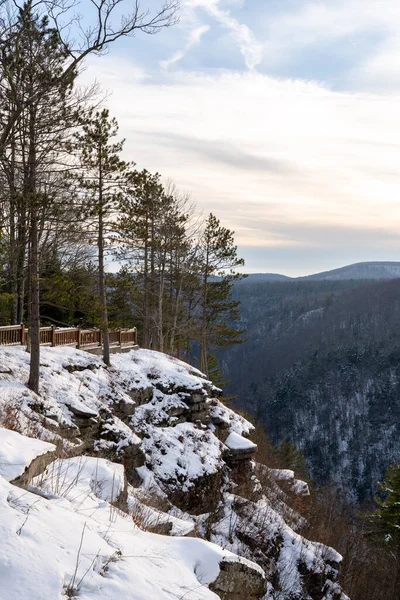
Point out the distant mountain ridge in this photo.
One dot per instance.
(261, 277)
(362, 270)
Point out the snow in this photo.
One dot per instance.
(152, 519)
(41, 537)
(83, 477)
(300, 488)
(17, 452)
(157, 368)
(234, 441)
(179, 455)
(282, 474)
(227, 416)
(297, 486)
(262, 522)
(147, 400)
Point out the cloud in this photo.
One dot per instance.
(249, 46)
(300, 261)
(282, 162)
(227, 154)
(364, 30)
(194, 38)
(381, 70)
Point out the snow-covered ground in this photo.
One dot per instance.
(157, 445)
(67, 538)
(17, 451)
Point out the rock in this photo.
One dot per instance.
(141, 395)
(195, 398)
(133, 459)
(317, 586)
(124, 410)
(36, 467)
(239, 580)
(160, 528)
(81, 412)
(88, 426)
(73, 368)
(203, 497)
(178, 411)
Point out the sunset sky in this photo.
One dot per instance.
(282, 117)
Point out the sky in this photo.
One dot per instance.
(282, 117)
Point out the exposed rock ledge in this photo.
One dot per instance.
(186, 456)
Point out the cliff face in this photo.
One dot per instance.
(146, 446)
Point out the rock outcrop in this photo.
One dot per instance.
(189, 464)
(238, 580)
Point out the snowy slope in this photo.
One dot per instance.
(73, 541)
(163, 455)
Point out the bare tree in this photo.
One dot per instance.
(107, 26)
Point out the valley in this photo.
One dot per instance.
(320, 369)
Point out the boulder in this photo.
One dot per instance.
(239, 580)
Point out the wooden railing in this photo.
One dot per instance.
(13, 335)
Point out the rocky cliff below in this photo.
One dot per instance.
(137, 482)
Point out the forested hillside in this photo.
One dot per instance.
(320, 369)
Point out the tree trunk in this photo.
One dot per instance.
(102, 285)
(13, 259)
(160, 319)
(31, 197)
(145, 333)
(34, 322)
(21, 265)
(153, 316)
(203, 334)
(13, 267)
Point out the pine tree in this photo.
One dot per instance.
(217, 310)
(153, 240)
(139, 211)
(100, 182)
(387, 517)
(387, 520)
(38, 66)
(32, 62)
(77, 37)
(292, 458)
(122, 298)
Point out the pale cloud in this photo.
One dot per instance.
(194, 38)
(381, 70)
(277, 160)
(299, 171)
(250, 47)
(315, 22)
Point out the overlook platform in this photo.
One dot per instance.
(75, 337)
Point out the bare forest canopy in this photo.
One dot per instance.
(320, 369)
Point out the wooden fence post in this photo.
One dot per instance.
(79, 337)
(53, 335)
(22, 334)
(100, 338)
(120, 336)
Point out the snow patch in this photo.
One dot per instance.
(18, 451)
(234, 441)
